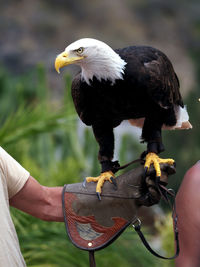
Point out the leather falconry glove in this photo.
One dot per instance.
(92, 224)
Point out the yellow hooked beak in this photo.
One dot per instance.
(64, 59)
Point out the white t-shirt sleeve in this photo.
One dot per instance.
(16, 176)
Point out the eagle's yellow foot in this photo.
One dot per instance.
(105, 176)
(153, 158)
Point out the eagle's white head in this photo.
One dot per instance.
(95, 59)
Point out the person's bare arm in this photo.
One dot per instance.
(188, 203)
(39, 201)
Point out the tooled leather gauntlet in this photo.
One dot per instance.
(92, 224)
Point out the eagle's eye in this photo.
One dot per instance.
(79, 50)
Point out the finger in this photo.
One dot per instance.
(112, 179)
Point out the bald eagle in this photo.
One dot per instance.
(136, 83)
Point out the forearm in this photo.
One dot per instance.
(52, 209)
(39, 201)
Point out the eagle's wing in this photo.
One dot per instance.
(81, 100)
(163, 86)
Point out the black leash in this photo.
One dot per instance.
(164, 192)
(115, 166)
(130, 163)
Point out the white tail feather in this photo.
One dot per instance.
(181, 116)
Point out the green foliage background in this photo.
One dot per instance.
(43, 137)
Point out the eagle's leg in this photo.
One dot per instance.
(151, 133)
(104, 135)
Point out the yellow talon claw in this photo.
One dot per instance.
(152, 158)
(105, 176)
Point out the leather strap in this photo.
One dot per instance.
(114, 166)
(144, 241)
(175, 218)
(130, 163)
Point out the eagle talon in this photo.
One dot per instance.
(84, 182)
(174, 164)
(144, 175)
(99, 195)
(114, 182)
(153, 158)
(145, 171)
(100, 180)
